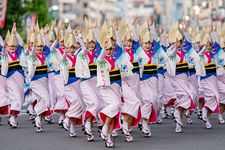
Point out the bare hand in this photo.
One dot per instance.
(62, 26)
(134, 19)
(94, 23)
(115, 24)
(184, 25)
(214, 27)
(209, 29)
(160, 31)
(76, 31)
(150, 21)
(58, 36)
(105, 45)
(14, 28)
(53, 23)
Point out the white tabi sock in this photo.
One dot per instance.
(105, 129)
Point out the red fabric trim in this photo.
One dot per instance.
(61, 50)
(67, 103)
(111, 61)
(91, 56)
(117, 119)
(34, 103)
(122, 99)
(89, 114)
(136, 120)
(153, 117)
(4, 10)
(14, 112)
(4, 110)
(216, 111)
(201, 99)
(12, 57)
(41, 58)
(208, 56)
(171, 102)
(184, 90)
(72, 59)
(149, 54)
(78, 122)
(47, 113)
(130, 54)
(192, 107)
(61, 110)
(181, 55)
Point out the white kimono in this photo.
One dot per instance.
(180, 81)
(61, 105)
(72, 88)
(12, 69)
(110, 91)
(37, 71)
(88, 85)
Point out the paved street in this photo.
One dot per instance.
(194, 137)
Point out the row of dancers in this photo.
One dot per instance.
(118, 74)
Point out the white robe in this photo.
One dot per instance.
(39, 87)
(72, 93)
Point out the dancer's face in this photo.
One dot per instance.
(128, 44)
(113, 41)
(39, 49)
(12, 48)
(61, 44)
(208, 47)
(109, 52)
(147, 46)
(91, 45)
(178, 44)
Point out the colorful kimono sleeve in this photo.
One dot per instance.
(64, 72)
(98, 49)
(4, 63)
(31, 63)
(19, 50)
(46, 50)
(118, 52)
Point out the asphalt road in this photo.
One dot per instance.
(193, 137)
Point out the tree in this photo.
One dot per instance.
(15, 13)
(19, 10)
(40, 8)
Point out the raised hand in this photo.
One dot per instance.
(134, 19)
(115, 24)
(184, 25)
(150, 21)
(14, 30)
(62, 26)
(161, 30)
(105, 44)
(94, 23)
(58, 36)
(208, 29)
(76, 31)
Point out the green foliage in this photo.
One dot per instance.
(18, 10)
(14, 14)
(40, 8)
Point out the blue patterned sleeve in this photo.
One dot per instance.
(98, 49)
(164, 48)
(46, 50)
(136, 45)
(118, 52)
(19, 50)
